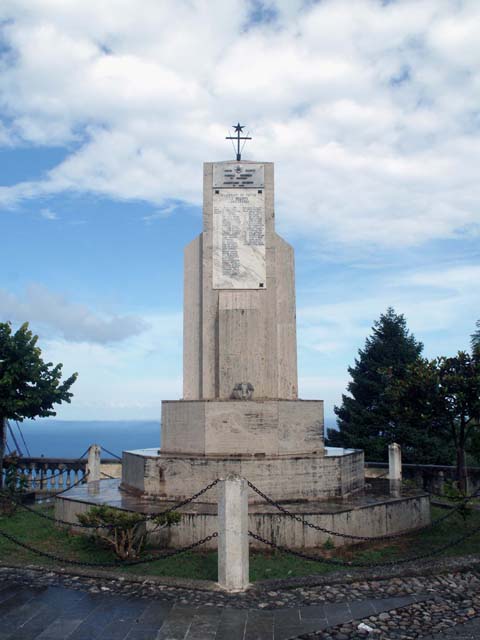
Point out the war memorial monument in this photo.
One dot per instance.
(240, 413)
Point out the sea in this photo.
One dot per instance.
(71, 438)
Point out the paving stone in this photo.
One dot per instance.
(177, 624)
(232, 624)
(39, 606)
(141, 631)
(155, 613)
(18, 617)
(313, 612)
(32, 628)
(361, 609)
(259, 625)
(204, 624)
(288, 632)
(337, 613)
(59, 629)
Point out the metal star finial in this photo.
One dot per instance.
(238, 128)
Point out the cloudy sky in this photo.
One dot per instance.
(369, 109)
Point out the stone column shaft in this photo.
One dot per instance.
(93, 464)
(395, 469)
(233, 561)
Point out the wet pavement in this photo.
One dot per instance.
(57, 613)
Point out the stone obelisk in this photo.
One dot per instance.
(240, 391)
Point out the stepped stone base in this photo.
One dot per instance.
(220, 427)
(362, 515)
(305, 477)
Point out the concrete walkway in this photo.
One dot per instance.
(57, 613)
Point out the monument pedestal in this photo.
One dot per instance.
(157, 475)
(223, 427)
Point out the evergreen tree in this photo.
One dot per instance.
(476, 340)
(366, 418)
(442, 398)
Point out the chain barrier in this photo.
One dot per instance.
(127, 563)
(72, 486)
(114, 455)
(351, 536)
(150, 516)
(363, 565)
(444, 496)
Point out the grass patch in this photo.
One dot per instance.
(44, 535)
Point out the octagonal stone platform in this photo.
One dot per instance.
(334, 473)
(363, 515)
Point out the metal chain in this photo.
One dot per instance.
(79, 481)
(351, 536)
(187, 501)
(149, 517)
(114, 455)
(43, 481)
(386, 563)
(128, 563)
(45, 516)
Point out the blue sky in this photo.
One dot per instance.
(370, 111)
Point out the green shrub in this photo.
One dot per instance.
(14, 486)
(124, 531)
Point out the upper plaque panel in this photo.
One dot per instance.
(238, 174)
(239, 239)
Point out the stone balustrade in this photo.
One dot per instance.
(51, 475)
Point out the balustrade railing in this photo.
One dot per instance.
(50, 475)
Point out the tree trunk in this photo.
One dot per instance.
(462, 470)
(3, 441)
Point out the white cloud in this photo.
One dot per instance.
(127, 381)
(434, 302)
(160, 214)
(370, 110)
(48, 214)
(56, 315)
(461, 278)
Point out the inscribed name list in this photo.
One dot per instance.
(239, 239)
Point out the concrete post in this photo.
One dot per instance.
(233, 561)
(93, 463)
(441, 483)
(395, 469)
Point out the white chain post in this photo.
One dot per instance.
(93, 464)
(395, 469)
(233, 560)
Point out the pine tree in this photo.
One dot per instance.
(476, 340)
(365, 418)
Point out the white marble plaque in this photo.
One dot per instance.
(241, 175)
(239, 239)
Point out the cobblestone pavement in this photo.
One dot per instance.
(48, 606)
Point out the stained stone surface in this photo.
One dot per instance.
(367, 516)
(241, 332)
(239, 239)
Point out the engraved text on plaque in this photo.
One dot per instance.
(238, 174)
(238, 239)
